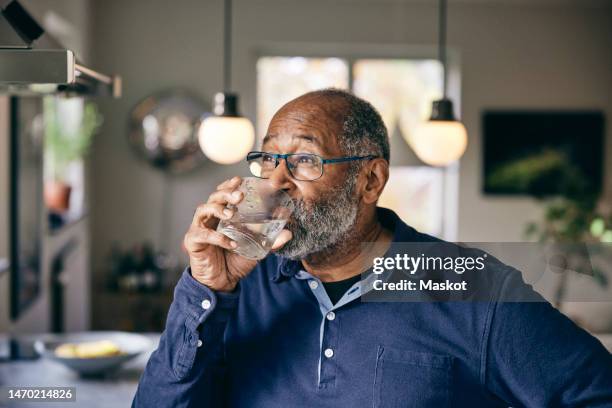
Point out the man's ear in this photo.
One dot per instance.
(376, 174)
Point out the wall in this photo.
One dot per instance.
(539, 54)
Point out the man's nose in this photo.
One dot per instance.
(280, 178)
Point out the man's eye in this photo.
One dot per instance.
(266, 158)
(306, 160)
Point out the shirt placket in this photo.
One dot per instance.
(329, 329)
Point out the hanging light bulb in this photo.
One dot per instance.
(442, 139)
(226, 137)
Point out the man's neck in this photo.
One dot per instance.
(350, 257)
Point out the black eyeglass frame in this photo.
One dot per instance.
(278, 156)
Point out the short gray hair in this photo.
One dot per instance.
(364, 132)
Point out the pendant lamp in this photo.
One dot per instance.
(226, 137)
(442, 139)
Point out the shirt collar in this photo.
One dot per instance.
(402, 232)
(286, 269)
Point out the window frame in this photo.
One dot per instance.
(354, 52)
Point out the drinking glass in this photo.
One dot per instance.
(258, 219)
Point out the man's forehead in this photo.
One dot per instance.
(308, 138)
(317, 121)
(282, 134)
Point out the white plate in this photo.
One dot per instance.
(130, 344)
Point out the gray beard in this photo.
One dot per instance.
(320, 225)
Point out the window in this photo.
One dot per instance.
(402, 90)
(280, 79)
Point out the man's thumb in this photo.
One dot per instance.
(284, 237)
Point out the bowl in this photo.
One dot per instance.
(129, 344)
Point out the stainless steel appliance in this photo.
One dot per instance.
(31, 61)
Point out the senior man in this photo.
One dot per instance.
(291, 331)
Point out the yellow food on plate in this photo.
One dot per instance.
(90, 349)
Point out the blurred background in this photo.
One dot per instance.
(99, 180)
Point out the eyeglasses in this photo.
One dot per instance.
(301, 166)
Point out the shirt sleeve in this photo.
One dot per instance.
(537, 357)
(188, 369)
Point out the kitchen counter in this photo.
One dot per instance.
(112, 391)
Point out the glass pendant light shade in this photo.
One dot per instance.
(227, 137)
(439, 143)
(442, 139)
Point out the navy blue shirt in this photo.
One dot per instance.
(278, 341)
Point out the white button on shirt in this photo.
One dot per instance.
(329, 353)
(206, 304)
(313, 284)
(330, 316)
(199, 343)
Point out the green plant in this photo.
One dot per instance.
(65, 147)
(574, 218)
(546, 168)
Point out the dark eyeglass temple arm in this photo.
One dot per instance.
(346, 159)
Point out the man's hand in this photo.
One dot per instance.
(212, 263)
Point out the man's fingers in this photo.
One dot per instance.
(199, 238)
(207, 212)
(231, 183)
(226, 196)
(284, 237)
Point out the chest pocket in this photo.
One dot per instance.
(411, 379)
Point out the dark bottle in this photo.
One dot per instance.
(114, 267)
(129, 281)
(149, 269)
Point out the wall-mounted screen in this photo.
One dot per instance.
(543, 153)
